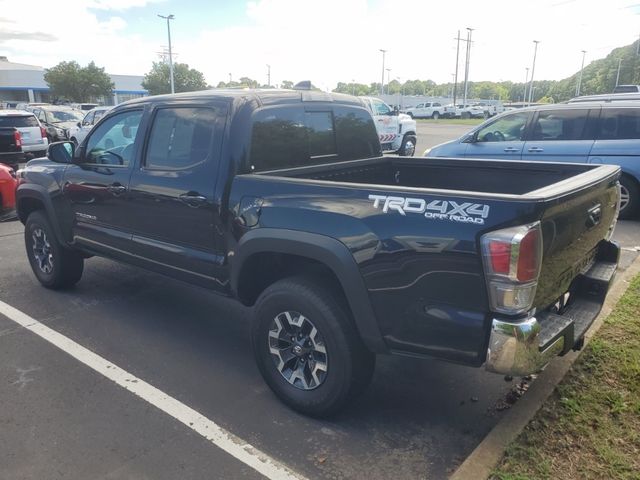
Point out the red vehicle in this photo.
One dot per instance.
(8, 184)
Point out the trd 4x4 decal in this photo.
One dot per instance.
(453, 211)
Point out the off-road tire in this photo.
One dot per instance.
(64, 267)
(349, 364)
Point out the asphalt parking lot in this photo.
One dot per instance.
(61, 419)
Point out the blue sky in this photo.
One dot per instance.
(325, 41)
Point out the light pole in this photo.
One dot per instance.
(466, 68)
(382, 85)
(167, 18)
(268, 75)
(618, 74)
(533, 69)
(455, 81)
(229, 78)
(353, 87)
(584, 52)
(526, 79)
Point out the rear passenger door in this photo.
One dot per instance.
(172, 205)
(559, 135)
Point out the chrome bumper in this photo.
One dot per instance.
(514, 348)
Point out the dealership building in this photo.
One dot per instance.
(25, 83)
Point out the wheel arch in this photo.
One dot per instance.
(301, 252)
(31, 197)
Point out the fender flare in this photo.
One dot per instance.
(38, 192)
(326, 250)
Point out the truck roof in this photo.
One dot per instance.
(266, 96)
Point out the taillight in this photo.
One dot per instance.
(43, 132)
(512, 260)
(17, 139)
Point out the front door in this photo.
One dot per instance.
(386, 123)
(501, 139)
(96, 186)
(173, 209)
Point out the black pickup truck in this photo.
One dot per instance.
(283, 200)
(10, 146)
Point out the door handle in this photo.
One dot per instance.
(193, 199)
(116, 189)
(511, 150)
(536, 149)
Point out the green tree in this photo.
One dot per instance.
(70, 81)
(286, 84)
(186, 79)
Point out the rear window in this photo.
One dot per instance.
(619, 124)
(18, 121)
(292, 137)
(559, 125)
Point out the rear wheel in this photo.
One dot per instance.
(629, 198)
(54, 266)
(307, 348)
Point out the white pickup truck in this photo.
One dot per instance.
(433, 110)
(396, 131)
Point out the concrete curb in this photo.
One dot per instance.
(489, 452)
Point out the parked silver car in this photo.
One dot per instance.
(77, 133)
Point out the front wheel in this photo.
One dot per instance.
(435, 115)
(307, 348)
(53, 265)
(629, 198)
(408, 146)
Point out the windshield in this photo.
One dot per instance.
(59, 116)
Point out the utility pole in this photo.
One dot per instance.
(584, 52)
(466, 68)
(533, 69)
(353, 87)
(268, 75)
(618, 74)
(526, 79)
(167, 18)
(388, 73)
(455, 81)
(382, 85)
(229, 78)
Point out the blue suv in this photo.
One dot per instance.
(587, 132)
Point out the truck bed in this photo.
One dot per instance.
(462, 175)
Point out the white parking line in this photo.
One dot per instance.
(238, 448)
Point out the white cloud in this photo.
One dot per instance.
(75, 34)
(333, 40)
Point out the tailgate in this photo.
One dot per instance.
(574, 227)
(8, 141)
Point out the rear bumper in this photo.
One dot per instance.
(12, 159)
(525, 346)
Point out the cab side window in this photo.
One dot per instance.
(181, 138)
(88, 119)
(380, 108)
(113, 141)
(619, 124)
(509, 128)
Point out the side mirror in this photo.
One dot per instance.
(79, 125)
(61, 152)
(471, 138)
